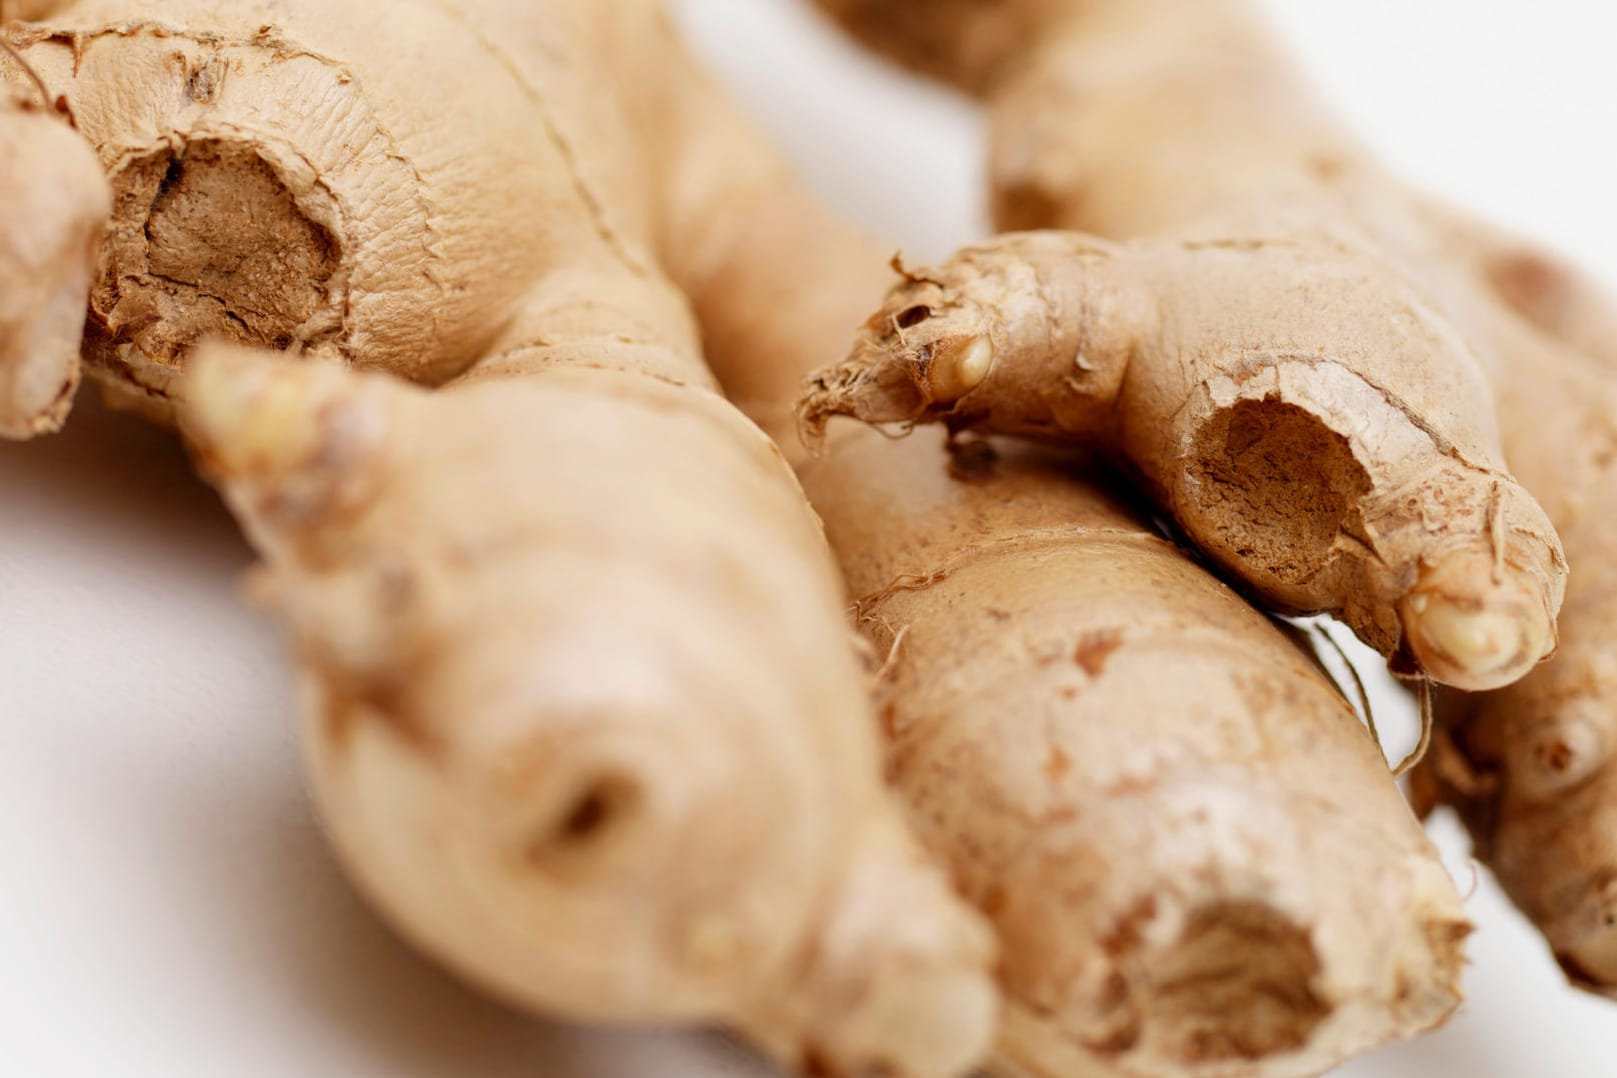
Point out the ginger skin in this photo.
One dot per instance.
(1182, 834)
(1152, 118)
(56, 203)
(583, 716)
(1264, 353)
(1288, 462)
(1190, 848)
(1533, 768)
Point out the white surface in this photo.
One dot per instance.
(167, 907)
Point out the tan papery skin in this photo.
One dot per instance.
(1261, 338)
(582, 713)
(55, 201)
(1180, 118)
(1192, 852)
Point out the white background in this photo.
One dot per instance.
(167, 907)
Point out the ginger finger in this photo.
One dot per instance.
(1284, 452)
(1537, 780)
(1150, 791)
(56, 202)
(511, 806)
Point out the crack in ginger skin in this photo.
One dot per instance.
(581, 711)
(1157, 117)
(1191, 850)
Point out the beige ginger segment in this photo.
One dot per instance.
(1183, 835)
(1533, 768)
(56, 206)
(1288, 452)
(511, 806)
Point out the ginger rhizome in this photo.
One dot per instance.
(1189, 846)
(581, 709)
(56, 202)
(1272, 440)
(1310, 411)
(1533, 768)
(1191, 849)
(1154, 119)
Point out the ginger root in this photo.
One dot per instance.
(1288, 383)
(1533, 768)
(1157, 118)
(1277, 446)
(1191, 850)
(527, 730)
(56, 203)
(582, 716)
